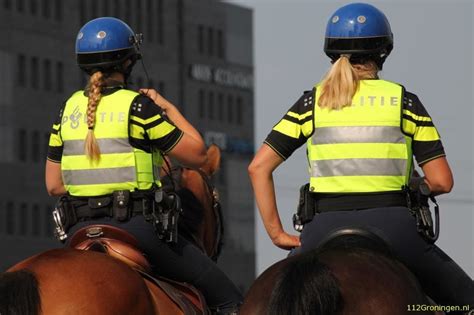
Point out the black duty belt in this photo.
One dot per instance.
(327, 203)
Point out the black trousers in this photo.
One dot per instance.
(181, 261)
(441, 278)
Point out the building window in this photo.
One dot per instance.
(48, 221)
(94, 8)
(127, 11)
(34, 72)
(33, 7)
(47, 74)
(35, 218)
(105, 8)
(23, 219)
(59, 77)
(210, 41)
(220, 107)
(138, 16)
(160, 18)
(82, 12)
(21, 67)
(200, 38)
(22, 143)
(230, 108)
(10, 218)
(20, 5)
(211, 105)
(7, 4)
(46, 8)
(117, 11)
(220, 44)
(58, 10)
(35, 146)
(149, 20)
(162, 88)
(239, 110)
(201, 104)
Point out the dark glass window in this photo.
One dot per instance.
(34, 73)
(20, 5)
(149, 20)
(138, 16)
(162, 88)
(220, 44)
(7, 4)
(220, 107)
(201, 104)
(230, 109)
(211, 105)
(33, 7)
(46, 8)
(117, 8)
(48, 221)
(105, 8)
(35, 146)
(21, 70)
(127, 12)
(94, 8)
(58, 10)
(59, 76)
(22, 145)
(239, 110)
(82, 12)
(23, 219)
(210, 41)
(200, 39)
(160, 20)
(47, 82)
(35, 218)
(10, 218)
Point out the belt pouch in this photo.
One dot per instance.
(121, 209)
(99, 206)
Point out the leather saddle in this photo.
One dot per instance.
(121, 245)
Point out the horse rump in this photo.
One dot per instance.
(19, 293)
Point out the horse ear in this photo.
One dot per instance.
(213, 159)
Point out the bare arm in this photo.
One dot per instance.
(54, 180)
(260, 171)
(190, 150)
(438, 175)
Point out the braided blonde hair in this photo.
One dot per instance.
(342, 81)
(91, 147)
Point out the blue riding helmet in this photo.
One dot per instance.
(358, 29)
(106, 43)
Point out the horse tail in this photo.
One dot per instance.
(306, 286)
(19, 293)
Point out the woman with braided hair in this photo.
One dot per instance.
(108, 140)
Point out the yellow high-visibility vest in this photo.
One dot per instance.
(121, 166)
(361, 148)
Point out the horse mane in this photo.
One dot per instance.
(19, 293)
(344, 273)
(305, 286)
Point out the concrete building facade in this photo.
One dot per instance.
(198, 54)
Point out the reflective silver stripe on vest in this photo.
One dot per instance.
(357, 134)
(358, 167)
(99, 176)
(107, 146)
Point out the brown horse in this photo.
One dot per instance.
(71, 281)
(352, 273)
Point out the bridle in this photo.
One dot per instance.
(175, 173)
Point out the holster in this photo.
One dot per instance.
(165, 215)
(306, 208)
(120, 206)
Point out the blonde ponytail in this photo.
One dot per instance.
(91, 147)
(342, 81)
